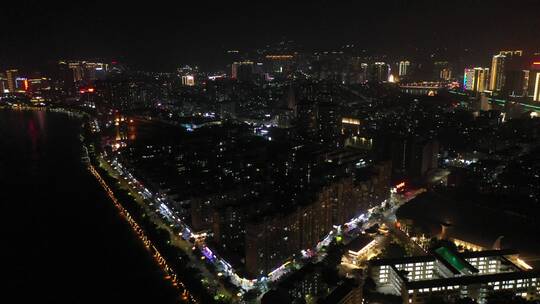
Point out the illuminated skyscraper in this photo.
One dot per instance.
(446, 74)
(476, 79)
(515, 82)
(188, 80)
(512, 53)
(534, 80)
(404, 68)
(364, 67)
(21, 84)
(11, 76)
(242, 70)
(497, 73)
(536, 86)
(501, 64)
(93, 71)
(468, 79)
(3, 83)
(379, 72)
(442, 70)
(77, 69)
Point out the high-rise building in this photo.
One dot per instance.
(83, 71)
(271, 240)
(242, 70)
(77, 70)
(93, 71)
(442, 70)
(468, 79)
(497, 73)
(414, 158)
(328, 123)
(534, 81)
(11, 76)
(501, 64)
(38, 83)
(188, 80)
(379, 72)
(512, 53)
(21, 84)
(404, 68)
(516, 82)
(445, 74)
(476, 79)
(516, 74)
(363, 72)
(3, 83)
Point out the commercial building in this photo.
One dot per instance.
(452, 275)
(3, 83)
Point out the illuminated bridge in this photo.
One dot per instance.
(423, 88)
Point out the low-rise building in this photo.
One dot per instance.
(448, 274)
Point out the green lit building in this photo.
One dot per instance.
(450, 275)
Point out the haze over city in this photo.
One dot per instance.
(271, 152)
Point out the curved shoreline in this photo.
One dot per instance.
(158, 258)
(184, 296)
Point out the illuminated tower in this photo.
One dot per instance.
(500, 66)
(497, 73)
(379, 72)
(11, 76)
(3, 83)
(468, 79)
(242, 70)
(534, 80)
(442, 70)
(77, 70)
(516, 75)
(188, 80)
(536, 86)
(517, 53)
(404, 67)
(475, 79)
(482, 77)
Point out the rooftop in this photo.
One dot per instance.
(463, 272)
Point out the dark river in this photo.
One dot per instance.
(64, 240)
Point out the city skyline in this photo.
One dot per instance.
(257, 153)
(160, 39)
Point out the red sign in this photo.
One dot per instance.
(89, 90)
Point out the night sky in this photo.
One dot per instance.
(161, 35)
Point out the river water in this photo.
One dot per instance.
(65, 242)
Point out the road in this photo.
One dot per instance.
(384, 214)
(170, 273)
(156, 209)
